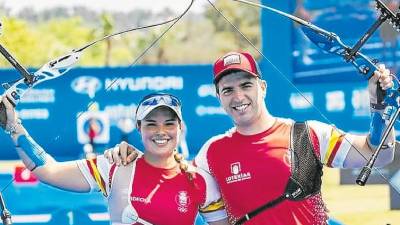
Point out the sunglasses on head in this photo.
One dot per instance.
(155, 99)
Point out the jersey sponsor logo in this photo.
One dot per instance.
(183, 201)
(235, 168)
(139, 199)
(237, 174)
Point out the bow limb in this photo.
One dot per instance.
(126, 31)
(331, 43)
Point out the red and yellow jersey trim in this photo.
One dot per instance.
(334, 143)
(214, 206)
(95, 173)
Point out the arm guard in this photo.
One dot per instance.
(32, 154)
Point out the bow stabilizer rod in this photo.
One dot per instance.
(5, 214)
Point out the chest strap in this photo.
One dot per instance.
(306, 171)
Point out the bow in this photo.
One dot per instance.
(55, 68)
(331, 43)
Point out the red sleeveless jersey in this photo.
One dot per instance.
(253, 170)
(158, 196)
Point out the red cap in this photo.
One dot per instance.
(235, 61)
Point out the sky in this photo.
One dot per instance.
(112, 5)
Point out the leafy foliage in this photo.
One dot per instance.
(37, 37)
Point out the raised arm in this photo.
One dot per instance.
(364, 146)
(64, 175)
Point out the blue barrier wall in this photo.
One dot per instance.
(52, 120)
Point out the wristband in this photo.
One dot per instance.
(34, 152)
(377, 127)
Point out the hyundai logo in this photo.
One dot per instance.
(86, 85)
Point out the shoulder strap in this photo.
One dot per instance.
(257, 211)
(120, 177)
(111, 173)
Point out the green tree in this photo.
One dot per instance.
(245, 18)
(108, 28)
(21, 41)
(39, 37)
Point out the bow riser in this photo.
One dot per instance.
(16, 89)
(51, 70)
(331, 43)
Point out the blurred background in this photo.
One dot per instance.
(91, 108)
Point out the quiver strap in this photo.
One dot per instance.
(306, 171)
